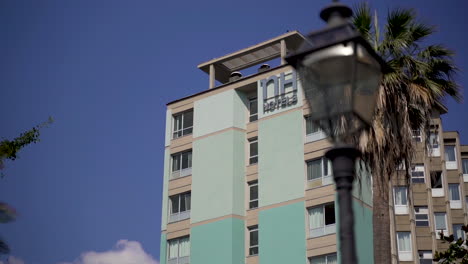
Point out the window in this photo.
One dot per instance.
(182, 164)
(253, 240)
(465, 169)
(253, 151)
(421, 214)
(253, 193)
(417, 173)
(458, 232)
(425, 257)
(465, 166)
(313, 131)
(436, 184)
(322, 220)
(180, 207)
(179, 251)
(325, 259)
(434, 143)
(319, 169)
(440, 224)
(253, 109)
(454, 196)
(183, 124)
(417, 135)
(450, 157)
(404, 246)
(401, 200)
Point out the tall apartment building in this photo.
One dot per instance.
(246, 181)
(438, 196)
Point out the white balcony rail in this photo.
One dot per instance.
(451, 165)
(465, 177)
(437, 192)
(179, 216)
(405, 255)
(401, 209)
(327, 180)
(181, 173)
(322, 231)
(315, 136)
(455, 204)
(179, 260)
(435, 152)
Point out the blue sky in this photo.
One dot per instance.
(105, 70)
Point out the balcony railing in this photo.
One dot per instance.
(179, 260)
(322, 231)
(179, 216)
(181, 173)
(315, 136)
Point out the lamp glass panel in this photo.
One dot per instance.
(340, 84)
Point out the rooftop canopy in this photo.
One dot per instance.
(245, 58)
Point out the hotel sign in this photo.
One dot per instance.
(279, 92)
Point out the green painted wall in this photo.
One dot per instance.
(218, 242)
(362, 230)
(362, 185)
(282, 237)
(218, 176)
(364, 235)
(163, 250)
(219, 111)
(164, 213)
(281, 158)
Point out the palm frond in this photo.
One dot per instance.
(362, 20)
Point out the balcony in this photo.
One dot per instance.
(315, 136)
(323, 231)
(180, 260)
(181, 173)
(179, 216)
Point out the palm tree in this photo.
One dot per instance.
(416, 80)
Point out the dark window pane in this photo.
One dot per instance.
(417, 180)
(325, 166)
(254, 149)
(188, 131)
(253, 251)
(254, 238)
(254, 192)
(183, 205)
(253, 160)
(253, 204)
(329, 214)
(314, 169)
(253, 106)
(186, 160)
(436, 179)
(174, 204)
(188, 198)
(311, 127)
(422, 223)
(188, 119)
(176, 162)
(421, 217)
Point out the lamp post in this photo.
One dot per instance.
(340, 74)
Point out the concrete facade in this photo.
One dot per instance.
(244, 189)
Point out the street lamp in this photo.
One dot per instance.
(340, 74)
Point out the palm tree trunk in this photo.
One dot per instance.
(381, 224)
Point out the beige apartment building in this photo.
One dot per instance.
(438, 196)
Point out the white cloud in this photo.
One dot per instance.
(124, 252)
(13, 260)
